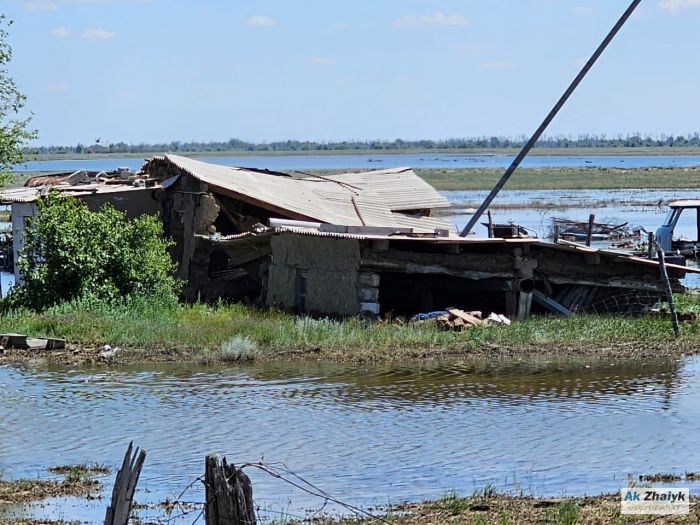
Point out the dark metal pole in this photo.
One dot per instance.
(530, 143)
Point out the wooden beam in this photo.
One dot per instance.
(550, 304)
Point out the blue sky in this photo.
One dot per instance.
(263, 70)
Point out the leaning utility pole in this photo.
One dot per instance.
(536, 136)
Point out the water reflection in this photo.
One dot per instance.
(367, 434)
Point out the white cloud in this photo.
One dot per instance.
(341, 26)
(438, 18)
(676, 6)
(56, 87)
(497, 64)
(60, 32)
(261, 21)
(322, 61)
(98, 33)
(41, 5)
(582, 10)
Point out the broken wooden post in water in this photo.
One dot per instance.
(229, 494)
(124, 487)
(651, 245)
(591, 224)
(669, 291)
(490, 224)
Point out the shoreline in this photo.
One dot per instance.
(486, 506)
(503, 509)
(233, 334)
(536, 152)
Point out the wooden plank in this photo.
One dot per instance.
(669, 292)
(550, 304)
(524, 305)
(465, 317)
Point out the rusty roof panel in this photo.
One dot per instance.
(341, 199)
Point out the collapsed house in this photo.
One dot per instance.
(355, 243)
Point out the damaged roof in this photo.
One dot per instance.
(32, 194)
(375, 198)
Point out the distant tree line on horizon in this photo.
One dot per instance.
(476, 143)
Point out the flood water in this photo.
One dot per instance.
(368, 435)
(535, 209)
(383, 161)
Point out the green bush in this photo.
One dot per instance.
(73, 253)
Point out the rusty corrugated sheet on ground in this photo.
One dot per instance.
(359, 201)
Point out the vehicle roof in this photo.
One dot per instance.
(689, 203)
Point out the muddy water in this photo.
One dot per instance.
(367, 435)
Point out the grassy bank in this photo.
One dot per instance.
(563, 178)
(494, 509)
(210, 334)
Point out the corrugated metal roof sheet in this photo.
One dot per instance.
(25, 195)
(372, 199)
(398, 188)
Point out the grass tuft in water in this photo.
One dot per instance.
(452, 503)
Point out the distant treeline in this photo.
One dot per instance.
(475, 143)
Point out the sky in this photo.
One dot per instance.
(328, 70)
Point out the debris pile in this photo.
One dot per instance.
(576, 230)
(456, 320)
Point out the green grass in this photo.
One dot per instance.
(226, 333)
(453, 503)
(563, 178)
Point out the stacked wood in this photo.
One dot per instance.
(229, 494)
(456, 320)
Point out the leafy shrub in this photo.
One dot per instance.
(73, 253)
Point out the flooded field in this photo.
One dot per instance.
(368, 435)
(535, 209)
(383, 161)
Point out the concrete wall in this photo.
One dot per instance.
(21, 212)
(321, 272)
(188, 210)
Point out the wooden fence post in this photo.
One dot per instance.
(124, 487)
(591, 225)
(229, 494)
(669, 292)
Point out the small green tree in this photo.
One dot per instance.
(14, 130)
(71, 252)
